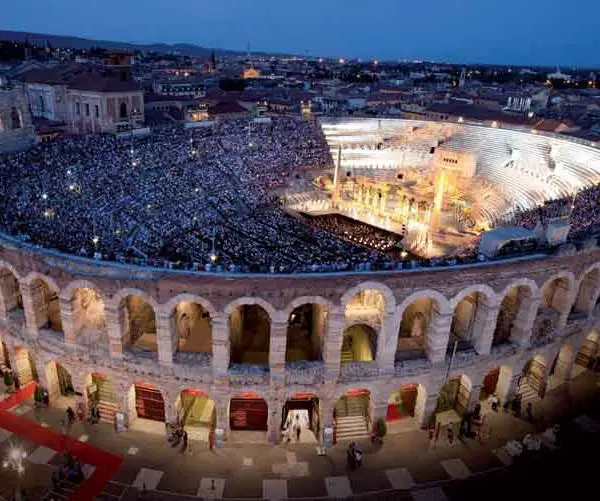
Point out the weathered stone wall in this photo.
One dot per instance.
(14, 138)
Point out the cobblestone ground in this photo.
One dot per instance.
(405, 461)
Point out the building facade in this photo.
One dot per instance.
(16, 129)
(376, 344)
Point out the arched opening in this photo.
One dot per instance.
(453, 401)
(249, 335)
(4, 358)
(495, 386)
(560, 372)
(41, 105)
(26, 369)
(351, 415)
(193, 327)
(359, 344)
(301, 419)
(46, 306)
(11, 295)
(138, 323)
(368, 306)
(123, 110)
(586, 295)
(588, 356)
(146, 407)
(532, 383)
(511, 308)
(196, 413)
(414, 328)
(555, 302)
(88, 313)
(464, 325)
(406, 407)
(305, 333)
(100, 392)
(248, 412)
(17, 119)
(60, 385)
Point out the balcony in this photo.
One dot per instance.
(305, 372)
(249, 374)
(354, 371)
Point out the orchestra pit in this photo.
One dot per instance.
(235, 275)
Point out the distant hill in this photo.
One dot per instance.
(85, 43)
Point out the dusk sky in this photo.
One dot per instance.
(551, 32)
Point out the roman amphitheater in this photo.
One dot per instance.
(235, 352)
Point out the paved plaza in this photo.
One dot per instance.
(405, 466)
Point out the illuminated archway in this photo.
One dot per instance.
(414, 328)
(406, 406)
(359, 344)
(138, 323)
(46, 305)
(249, 334)
(25, 367)
(10, 292)
(58, 380)
(196, 411)
(532, 383)
(102, 393)
(248, 412)
(496, 383)
(453, 399)
(88, 312)
(193, 327)
(589, 288)
(305, 333)
(351, 413)
(512, 308)
(301, 411)
(588, 356)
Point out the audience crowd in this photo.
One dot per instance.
(184, 195)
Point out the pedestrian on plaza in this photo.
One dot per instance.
(495, 402)
(529, 412)
(70, 415)
(211, 440)
(450, 431)
(298, 431)
(16, 381)
(80, 412)
(185, 439)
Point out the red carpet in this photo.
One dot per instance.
(106, 464)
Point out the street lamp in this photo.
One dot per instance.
(15, 461)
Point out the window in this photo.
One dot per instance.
(77, 108)
(97, 111)
(87, 109)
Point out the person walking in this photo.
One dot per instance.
(450, 432)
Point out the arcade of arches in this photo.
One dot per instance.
(305, 333)
(193, 328)
(249, 335)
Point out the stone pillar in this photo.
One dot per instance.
(513, 387)
(67, 315)
(222, 410)
(35, 307)
(484, 326)
(114, 320)
(332, 346)
(473, 397)
(379, 409)
(277, 345)
(164, 339)
(562, 302)
(220, 347)
(523, 323)
(438, 334)
(274, 421)
(427, 417)
(387, 343)
(8, 292)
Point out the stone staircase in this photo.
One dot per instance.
(347, 356)
(106, 403)
(350, 421)
(528, 393)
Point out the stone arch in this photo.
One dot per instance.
(252, 300)
(44, 300)
(474, 314)
(11, 298)
(359, 343)
(191, 320)
(518, 302)
(306, 327)
(533, 380)
(560, 372)
(587, 290)
(137, 319)
(250, 321)
(25, 365)
(83, 313)
(253, 406)
(557, 295)
(496, 383)
(420, 324)
(588, 355)
(59, 379)
(384, 290)
(146, 401)
(454, 397)
(406, 401)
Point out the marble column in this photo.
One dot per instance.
(274, 421)
(35, 307)
(562, 302)
(427, 417)
(387, 343)
(67, 315)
